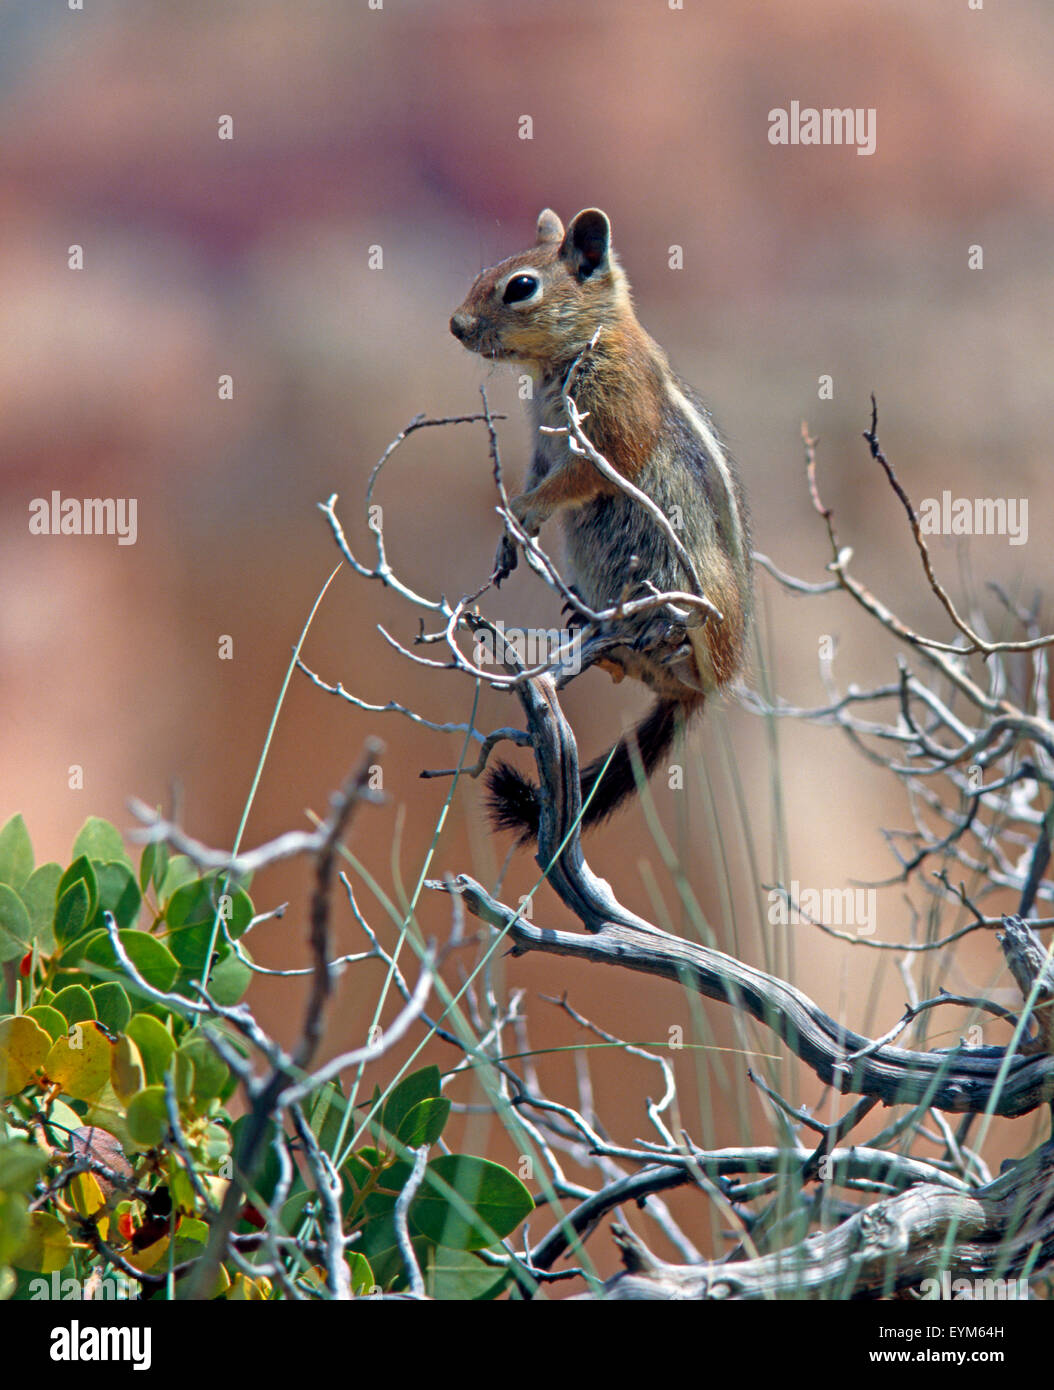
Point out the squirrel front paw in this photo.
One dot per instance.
(504, 561)
(658, 635)
(570, 613)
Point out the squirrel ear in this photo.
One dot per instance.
(550, 228)
(588, 242)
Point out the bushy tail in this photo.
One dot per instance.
(514, 799)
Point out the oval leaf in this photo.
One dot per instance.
(14, 1227)
(127, 1073)
(229, 979)
(425, 1123)
(497, 1196)
(457, 1276)
(74, 1004)
(210, 1073)
(16, 853)
(179, 870)
(151, 957)
(40, 895)
(147, 1117)
(362, 1280)
(112, 1006)
(53, 1023)
(21, 1163)
(155, 1045)
(47, 1247)
(71, 915)
(418, 1086)
(24, 1047)
(82, 871)
(192, 905)
(118, 893)
(80, 1062)
(152, 865)
(98, 839)
(16, 933)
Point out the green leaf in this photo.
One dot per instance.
(190, 946)
(82, 868)
(40, 895)
(147, 1117)
(74, 1004)
(98, 839)
(112, 1006)
(21, 1163)
(497, 1196)
(380, 1247)
(325, 1115)
(24, 1048)
(14, 1226)
(16, 933)
(178, 870)
(155, 1045)
(229, 979)
(16, 853)
(292, 1214)
(191, 1229)
(127, 1073)
(64, 1120)
(73, 911)
(104, 1109)
(151, 957)
(418, 1086)
(182, 1072)
(425, 1123)
(457, 1276)
(53, 1023)
(192, 904)
(47, 1245)
(237, 912)
(80, 1063)
(362, 1280)
(265, 1178)
(118, 893)
(153, 864)
(198, 903)
(216, 1145)
(210, 1072)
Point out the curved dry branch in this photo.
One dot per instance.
(894, 1244)
(959, 1080)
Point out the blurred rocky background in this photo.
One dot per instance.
(399, 126)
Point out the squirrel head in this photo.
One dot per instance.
(543, 306)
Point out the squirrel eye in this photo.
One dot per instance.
(519, 287)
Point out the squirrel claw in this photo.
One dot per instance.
(504, 562)
(568, 610)
(660, 632)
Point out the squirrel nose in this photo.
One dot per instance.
(459, 326)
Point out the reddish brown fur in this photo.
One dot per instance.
(622, 392)
(637, 417)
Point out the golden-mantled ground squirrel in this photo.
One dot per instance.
(542, 308)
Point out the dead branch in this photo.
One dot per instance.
(892, 1245)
